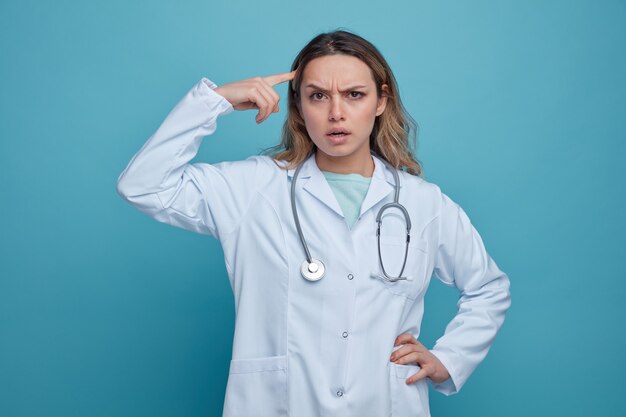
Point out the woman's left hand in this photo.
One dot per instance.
(414, 352)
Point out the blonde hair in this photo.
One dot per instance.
(392, 129)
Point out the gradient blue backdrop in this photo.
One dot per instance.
(105, 312)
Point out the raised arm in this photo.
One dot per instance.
(204, 198)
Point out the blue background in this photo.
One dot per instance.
(522, 109)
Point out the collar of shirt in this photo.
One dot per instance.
(314, 182)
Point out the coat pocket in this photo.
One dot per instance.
(257, 387)
(407, 400)
(392, 252)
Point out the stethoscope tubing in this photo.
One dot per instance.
(314, 269)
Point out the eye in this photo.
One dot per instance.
(317, 96)
(356, 94)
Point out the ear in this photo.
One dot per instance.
(382, 100)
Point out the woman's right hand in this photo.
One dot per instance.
(255, 93)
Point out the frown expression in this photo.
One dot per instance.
(339, 104)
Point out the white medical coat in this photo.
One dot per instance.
(313, 349)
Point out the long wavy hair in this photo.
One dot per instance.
(393, 129)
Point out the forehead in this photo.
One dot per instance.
(339, 70)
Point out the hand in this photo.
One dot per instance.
(414, 352)
(255, 93)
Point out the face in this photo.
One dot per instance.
(339, 105)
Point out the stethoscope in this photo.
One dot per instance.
(313, 269)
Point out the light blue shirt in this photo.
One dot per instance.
(320, 349)
(350, 190)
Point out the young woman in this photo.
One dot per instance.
(328, 277)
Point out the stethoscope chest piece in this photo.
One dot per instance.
(313, 271)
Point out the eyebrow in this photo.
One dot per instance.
(341, 91)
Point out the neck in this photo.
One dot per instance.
(350, 164)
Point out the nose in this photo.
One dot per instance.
(336, 110)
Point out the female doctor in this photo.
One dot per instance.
(329, 242)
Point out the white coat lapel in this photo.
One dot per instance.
(314, 182)
(381, 186)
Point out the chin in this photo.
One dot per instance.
(337, 151)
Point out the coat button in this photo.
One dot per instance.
(350, 276)
(345, 334)
(339, 393)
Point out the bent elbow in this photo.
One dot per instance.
(129, 189)
(122, 188)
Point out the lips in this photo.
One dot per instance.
(338, 136)
(337, 132)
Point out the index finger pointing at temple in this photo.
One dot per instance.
(279, 78)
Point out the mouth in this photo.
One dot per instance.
(338, 133)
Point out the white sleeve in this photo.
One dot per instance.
(160, 182)
(462, 261)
